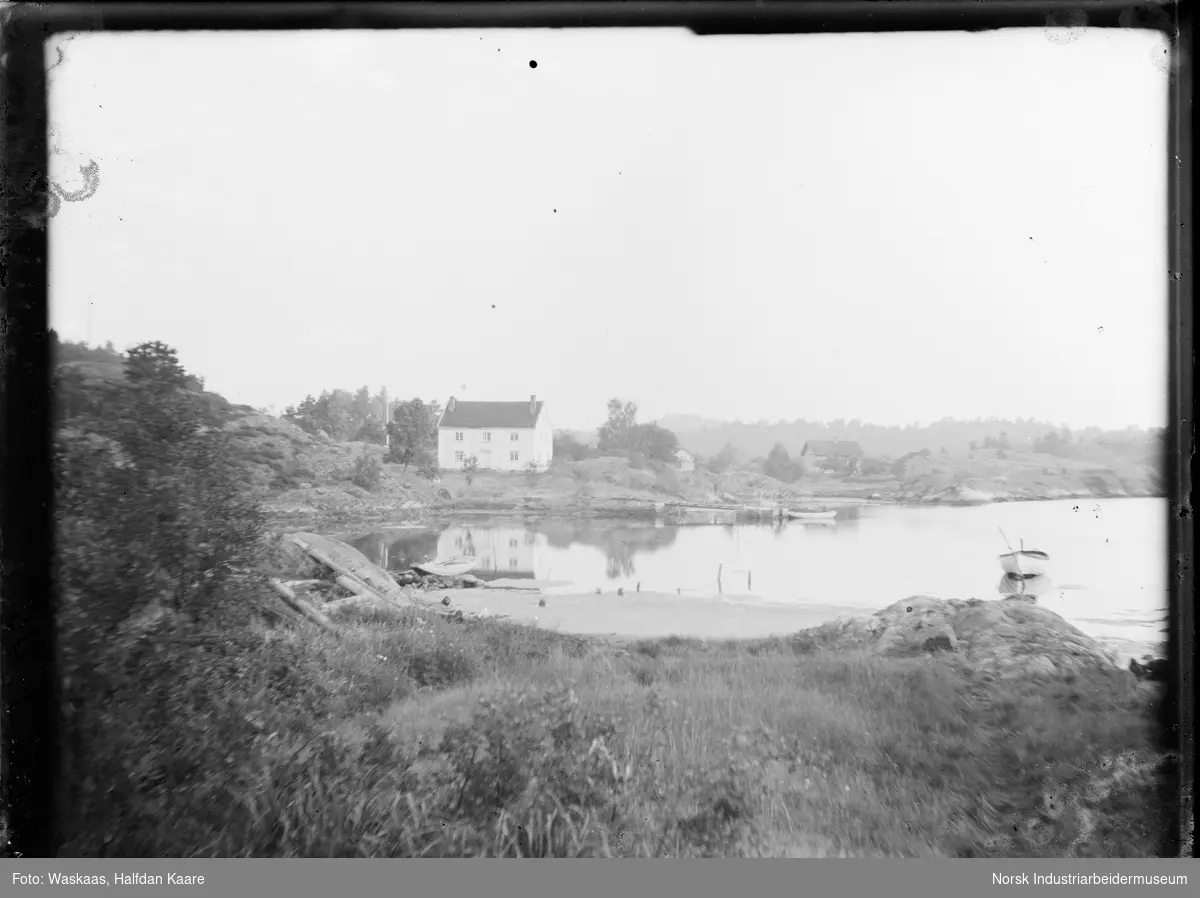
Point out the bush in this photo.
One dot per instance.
(470, 467)
(667, 480)
(367, 472)
(567, 448)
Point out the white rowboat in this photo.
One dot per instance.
(1026, 561)
(454, 566)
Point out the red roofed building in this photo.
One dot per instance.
(503, 436)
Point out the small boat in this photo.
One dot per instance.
(1025, 562)
(1032, 585)
(455, 566)
(812, 515)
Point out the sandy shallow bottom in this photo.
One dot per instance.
(656, 615)
(645, 615)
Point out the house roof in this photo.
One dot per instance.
(833, 448)
(683, 453)
(490, 414)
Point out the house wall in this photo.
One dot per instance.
(531, 444)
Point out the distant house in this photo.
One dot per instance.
(684, 460)
(503, 436)
(833, 454)
(913, 465)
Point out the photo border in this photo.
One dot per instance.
(29, 765)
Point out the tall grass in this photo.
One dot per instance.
(414, 736)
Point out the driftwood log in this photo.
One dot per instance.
(290, 598)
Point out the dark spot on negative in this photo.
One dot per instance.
(909, 608)
(533, 63)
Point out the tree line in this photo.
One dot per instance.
(756, 440)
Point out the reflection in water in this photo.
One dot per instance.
(398, 550)
(503, 552)
(867, 560)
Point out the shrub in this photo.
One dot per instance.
(567, 448)
(367, 472)
(470, 467)
(667, 480)
(440, 666)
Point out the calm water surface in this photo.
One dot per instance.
(1108, 558)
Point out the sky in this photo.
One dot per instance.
(890, 227)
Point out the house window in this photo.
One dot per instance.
(512, 563)
(512, 543)
(514, 436)
(487, 437)
(514, 456)
(458, 435)
(458, 456)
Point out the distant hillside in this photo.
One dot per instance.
(755, 440)
(680, 423)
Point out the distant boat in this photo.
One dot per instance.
(964, 495)
(812, 515)
(1026, 562)
(455, 566)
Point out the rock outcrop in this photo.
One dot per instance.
(1003, 638)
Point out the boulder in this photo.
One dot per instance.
(1002, 638)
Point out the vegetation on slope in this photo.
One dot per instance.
(416, 736)
(200, 722)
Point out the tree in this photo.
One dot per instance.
(616, 431)
(303, 415)
(362, 409)
(725, 458)
(566, 447)
(413, 432)
(155, 365)
(334, 414)
(151, 501)
(372, 431)
(779, 464)
(653, 442)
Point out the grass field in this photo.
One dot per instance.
(412, 735)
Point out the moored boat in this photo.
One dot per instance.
(454, 566)
(1032, 585)
(1025, 562)
(812, 515)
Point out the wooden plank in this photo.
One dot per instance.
(290, 599)
(348, 562)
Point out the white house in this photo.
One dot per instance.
(503, 436)
(684, 460)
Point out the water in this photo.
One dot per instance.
(1108, 558)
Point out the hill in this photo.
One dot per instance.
(757, 439)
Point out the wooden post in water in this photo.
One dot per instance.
(720, 567)
(749, 574)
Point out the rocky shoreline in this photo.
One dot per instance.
(380, 509)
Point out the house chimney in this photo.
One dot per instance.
(533, 403)
(450, 405)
